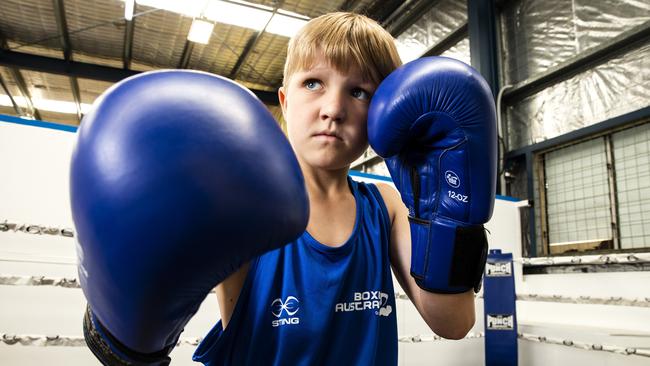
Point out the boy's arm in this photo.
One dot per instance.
(165, 185)
(228, 292)
(434, 121)
(448, 315)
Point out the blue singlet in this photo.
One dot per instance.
(310, 304)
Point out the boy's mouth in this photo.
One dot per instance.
(327, 135)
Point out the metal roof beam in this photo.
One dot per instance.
(187, 55)
(62, 24)
(449, 41)
(76, 94)
(266, 8)
(349, 5)
(61, 67)
(406, 14)
(3, 42)
(252, 42)
(20, 82)
(17, 108)
(483, 44)
(380, 10)
(3, 48)
(88, 71)
(128, 40)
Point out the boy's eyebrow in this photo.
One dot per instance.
(365, 82)
(360, 80)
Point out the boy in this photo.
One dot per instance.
(328, 298)
(200, 151)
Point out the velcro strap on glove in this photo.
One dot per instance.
(447, 257)
(110, 352)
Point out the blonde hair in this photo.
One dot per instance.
(344, 39)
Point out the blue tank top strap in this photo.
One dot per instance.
(310, 304)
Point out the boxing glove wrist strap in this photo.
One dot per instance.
(113, 353)
(447, 257)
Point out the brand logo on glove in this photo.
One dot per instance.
(289, 306)
(452, 179)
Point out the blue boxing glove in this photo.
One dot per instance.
(434, 121)
(176, 180)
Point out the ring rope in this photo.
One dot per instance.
(434, 337)
(528, 262)
(67, 341)
(627, 351)
(35, 229)
(590, 300)
(10, 280)
(39, 281)
(586, 259)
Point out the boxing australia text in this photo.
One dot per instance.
(366, 300)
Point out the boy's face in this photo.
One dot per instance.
(326, 112)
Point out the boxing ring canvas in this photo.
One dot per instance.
(39, 299)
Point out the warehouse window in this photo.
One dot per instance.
(595, 194)
(632, 163)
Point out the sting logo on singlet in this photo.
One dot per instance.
(367, 300)
(285, 311)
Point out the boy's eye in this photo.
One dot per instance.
(312, 84)
(360, 94)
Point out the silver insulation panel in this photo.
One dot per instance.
(613, 88)
(459, 51)
(540, 34)
(434, 25)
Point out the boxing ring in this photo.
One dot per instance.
(598, 318)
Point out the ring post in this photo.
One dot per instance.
(499, 310)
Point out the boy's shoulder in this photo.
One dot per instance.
(391, 198)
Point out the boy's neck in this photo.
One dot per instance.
(323, 184)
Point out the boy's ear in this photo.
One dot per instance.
(283, 101)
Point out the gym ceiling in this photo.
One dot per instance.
(58, 56)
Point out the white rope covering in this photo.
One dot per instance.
(619, 301)
(536, 261)
(590, 300)
(39, 281)
(585, 345)
(401, 296)
(586, 259)
(35, 229)
(42, 340)
(67, 341)
(434, 337)
(613, 300)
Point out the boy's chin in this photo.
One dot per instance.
(329, 164)
(330, 160)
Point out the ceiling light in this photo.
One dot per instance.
(190, 8)
(234, 12)
(239, 15)
(45, 105)
(200, 31)
(129, 5)
(284, 25)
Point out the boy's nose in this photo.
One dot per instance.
(333, 107)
